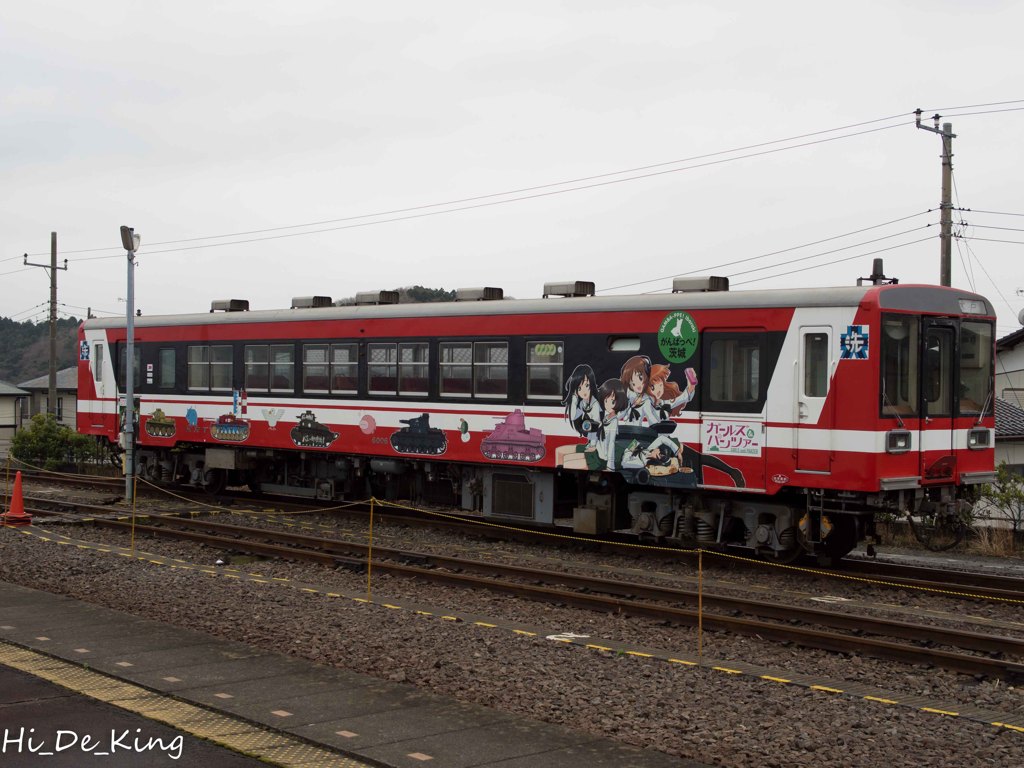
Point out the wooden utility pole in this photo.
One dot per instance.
(51, 401)
(946, 214)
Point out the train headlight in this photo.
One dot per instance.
(898, 441)
(973, 307)
(979, 438)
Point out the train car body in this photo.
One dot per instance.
(782, 421)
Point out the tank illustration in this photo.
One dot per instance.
(230, 428)
(309, 433)
(419, 437)
(158, 425)
(512, 440)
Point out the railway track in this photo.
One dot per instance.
(812, 628)
(889, 575)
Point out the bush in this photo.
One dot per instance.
(1006, 496)
(48, 445)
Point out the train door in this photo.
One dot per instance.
(813, 406)
(103, 381)
(938, 378)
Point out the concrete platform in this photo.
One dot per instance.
(285, 711)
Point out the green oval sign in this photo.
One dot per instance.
(677, 337)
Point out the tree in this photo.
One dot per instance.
(1007, 496)
(48, 445)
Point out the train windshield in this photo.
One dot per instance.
(922, 370)
(975, 367)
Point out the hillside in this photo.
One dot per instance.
(25, 348)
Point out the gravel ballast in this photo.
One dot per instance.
(701, 714)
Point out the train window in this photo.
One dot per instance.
(383, 368)
(220, 367)
(544, 369)
(282, 368)
(624, 344)
(269, 368)
(198, 367)
(166, 369)
(735, 369)
(490, 369)
(456, 366)
(315, 370)
(97, 361)
(900, 365)
(257, 368)
(137, 367)
(975, 389)
(210, 367)
(413, 363)
(344, 368)
(815, 364)
(937, 375)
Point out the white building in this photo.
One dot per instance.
(12, 404)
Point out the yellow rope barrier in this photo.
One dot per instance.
(562, 536)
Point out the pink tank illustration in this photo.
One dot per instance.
(512, 440)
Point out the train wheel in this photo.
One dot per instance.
(794, 547)
(214, 480)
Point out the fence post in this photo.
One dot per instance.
(369, 551)
(700, 607)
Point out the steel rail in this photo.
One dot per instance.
(963, 663)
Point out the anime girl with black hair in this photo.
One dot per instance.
(582, 408)
(603, 453)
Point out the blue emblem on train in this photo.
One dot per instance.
(853, 345)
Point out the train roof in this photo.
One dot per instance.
(928, 299)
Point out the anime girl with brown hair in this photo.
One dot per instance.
(635, 377)
(665, 397)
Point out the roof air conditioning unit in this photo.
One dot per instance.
(229, 305)
(377, 297)
(479, 294)
(578, 288)
(310, 302)
(700, 284)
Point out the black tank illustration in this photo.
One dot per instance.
(309, 433)
(158, 425)
(419, 437)
(512, 440)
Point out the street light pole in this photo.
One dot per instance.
(131, 242)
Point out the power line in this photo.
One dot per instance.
(991, 213)
(829, 253)
(519, 192)
(767, 255)
(837, 261)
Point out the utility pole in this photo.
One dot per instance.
(946, 216)
(51, 405)
(130, 242)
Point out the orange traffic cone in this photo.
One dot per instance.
(16, 514)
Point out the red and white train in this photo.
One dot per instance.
(777, 420)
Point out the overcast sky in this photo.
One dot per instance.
(367, 120)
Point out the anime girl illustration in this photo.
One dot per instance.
(601, 454)
(635, 377)
(582, 408)
(665, 398)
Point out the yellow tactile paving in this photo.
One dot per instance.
(271, 746)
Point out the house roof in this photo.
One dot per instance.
(1011, 340)
(67, 379)
(1009, 420)
(11, 390)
